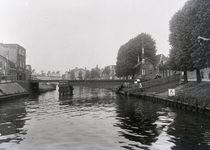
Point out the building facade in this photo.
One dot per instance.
(7, 68)
(145, 71)
(160, 61)
(16, 54)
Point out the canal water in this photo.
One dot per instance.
(98, 119)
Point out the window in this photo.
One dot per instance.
(23, 52)
(23, 65)
(143, 71)
(150, 71)
(20, 65)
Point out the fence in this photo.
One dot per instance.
(8, 78)
(159, 81)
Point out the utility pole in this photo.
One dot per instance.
(143, 61)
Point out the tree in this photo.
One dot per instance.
(186, 26)
(129, 52)
(72, 75)
(48, 73)
(87, 74)
(33, 71)
(94, 74)
(97, 74)
(106, 71)
(80, 75)
(179, 59)
(42, 72)
(58, 72)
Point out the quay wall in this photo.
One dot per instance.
(11, 90)
(172, 103)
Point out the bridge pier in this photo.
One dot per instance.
(65, 89)
(35, 87)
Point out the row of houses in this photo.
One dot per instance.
(13, 62)
(148, 69)
(77, 71)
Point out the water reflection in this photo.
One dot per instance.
(12, 120)
(137, 125)
(190, 131)
(96, 118)
(155, 126)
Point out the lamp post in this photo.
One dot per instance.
(203, 38)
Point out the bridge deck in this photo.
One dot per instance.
(87, 82)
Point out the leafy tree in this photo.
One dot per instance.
(72, 75)
(179, 58)
(186, 26)
(106, 71)
(128, 54)
(80, 75)
(58, 72)
(87, 74)
(42, 72)
(94, 74)
(48, 73)
(97, 71)
(33, 71)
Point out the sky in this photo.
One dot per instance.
(59, 35)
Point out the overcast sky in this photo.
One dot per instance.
(59, 35)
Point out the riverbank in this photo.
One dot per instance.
(189, 94)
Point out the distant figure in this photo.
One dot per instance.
(138, 81)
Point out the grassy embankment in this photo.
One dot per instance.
(193, 93)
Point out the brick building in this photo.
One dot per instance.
(146, 70)
(16, 54)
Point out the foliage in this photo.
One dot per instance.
(42, 72)
(185, 26)
(48, 73)
(80, 76)
(87, 74)
(128, 54)
(94, 73)
(72, 75)
(33, 71)
(106, 70)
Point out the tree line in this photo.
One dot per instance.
(189, 52)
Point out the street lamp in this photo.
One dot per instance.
(200, 38)
(203, 38)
